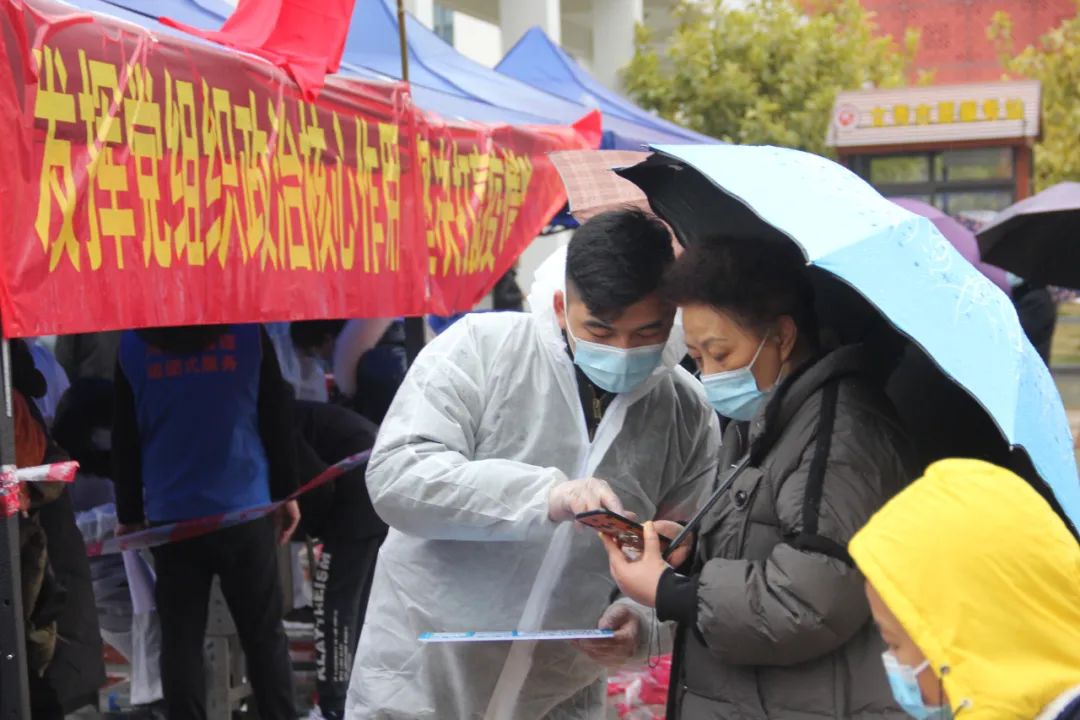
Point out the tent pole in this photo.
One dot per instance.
(402, 41)
(414, 326)
(14, 677)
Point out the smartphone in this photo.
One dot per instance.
(626, 532)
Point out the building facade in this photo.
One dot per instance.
(954, 40)
(965, 148)
(599, 34)
(965, 143)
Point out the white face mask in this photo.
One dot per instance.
(734, 393)
(617, 370)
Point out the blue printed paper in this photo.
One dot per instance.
(511, 635)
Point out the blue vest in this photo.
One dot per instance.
(199, 426)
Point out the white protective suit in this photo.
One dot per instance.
(488, 419)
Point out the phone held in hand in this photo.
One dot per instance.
(626, 532)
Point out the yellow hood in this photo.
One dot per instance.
(985, 578)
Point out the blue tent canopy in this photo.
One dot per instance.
(443, 80)
(541, 63)
(202, 14)
(438, 72)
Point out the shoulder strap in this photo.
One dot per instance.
(809, 539)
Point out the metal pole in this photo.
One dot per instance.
(401, 40)
(14, 677)
(414, 326)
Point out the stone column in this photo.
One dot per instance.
(518, 16)
(613, 37)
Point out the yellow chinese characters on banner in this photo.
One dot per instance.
(471, 202)
(158, 181)
(176, 172)
(947, 112)
(143, 167)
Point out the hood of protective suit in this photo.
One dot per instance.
(550, 278)
(985, 578)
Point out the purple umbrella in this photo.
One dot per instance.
(961, 238)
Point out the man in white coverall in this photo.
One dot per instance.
(507, 424)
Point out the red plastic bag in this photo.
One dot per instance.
(641, 693)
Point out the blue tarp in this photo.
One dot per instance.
(450, 84)
(203, 14)
(541, 63)
(443, 80)
(372, 52)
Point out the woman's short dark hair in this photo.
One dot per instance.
(755, 280)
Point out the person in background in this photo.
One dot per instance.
(367, 355)
(507, 295)
(370, 364)
(88, 355)
(65, 637)
(83, 429)
(56, 380)
(340, 514)
(313, 342)
(507, 425)
(42, 595)
(379, 373)
(974, 583)
(772, 620)
(305, 374)
(1037, 310)
(203, 426)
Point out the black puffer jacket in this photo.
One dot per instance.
(773, 621)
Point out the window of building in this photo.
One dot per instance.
(444, 23)
(955, 181)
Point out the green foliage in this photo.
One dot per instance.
(766, 73)
(1055, 62)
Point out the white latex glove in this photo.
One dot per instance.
(622, 647)
(570, 498)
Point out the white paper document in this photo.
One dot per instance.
(509, 635)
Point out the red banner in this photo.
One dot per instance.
(153, 180)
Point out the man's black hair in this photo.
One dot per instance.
(616, 259)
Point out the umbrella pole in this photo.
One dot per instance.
(14, 677)
(414, 326)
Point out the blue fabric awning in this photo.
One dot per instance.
(541, 63)
(443, 80)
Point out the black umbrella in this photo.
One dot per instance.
(1038, 238)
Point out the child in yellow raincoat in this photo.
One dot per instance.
(975, 584)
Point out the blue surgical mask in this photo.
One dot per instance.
(617, 370)
(734, 393)
(904, 681)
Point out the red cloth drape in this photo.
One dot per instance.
(304, 37)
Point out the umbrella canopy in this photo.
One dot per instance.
(961, 238)
(592, 187)
(897, 262)
(1038, 238)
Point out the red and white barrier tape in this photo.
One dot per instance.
(10, 477)
(187, 529)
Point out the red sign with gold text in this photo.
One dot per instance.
(154, 180)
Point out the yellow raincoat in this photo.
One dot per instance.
(985, 578)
